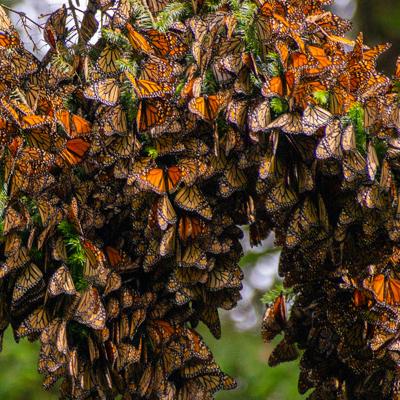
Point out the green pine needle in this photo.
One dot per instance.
(75, 252)
(115, 38)
(245, 13)
(142, 15)
(172, 13)
(128, 65)
(270, 296)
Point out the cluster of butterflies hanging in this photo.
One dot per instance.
(129, 159)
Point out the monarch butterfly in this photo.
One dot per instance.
(291, 60)
(13, 243)
(113, 283)
(284, 351)
(106, 91)
(73, 124)
(210, 317)
(315, 117)
(222, 277)
(372, 161)
(166, 214)
(55, 28)
(118, 259)
(330, 145)
(35, 322)
(168, 145)
(274, 319)
(191, 199)
(90, 310)
(280, 196)
(29, 278)
(194, 368)
(161, 180)
(168, 242)
(154, 115)
(167, 45)
(138, 41)
(208, 107)
(112, 120)
(148, 89)
(128, 354)
(386, 289)
(191, 169)
(108, 59)
(74, 151)
(23, 63)
(353, 166)
(191, 227)
(14, 220)
(290, 123)
(59, 251)
(14, 261)
(193, 257)
(340, 100)
(349, 138)
(233, 179)
(236, 112)
(61, 282)
(124, 146)
(304, 218)
(259, 116)
(9, 37)
(160, 70)
(153, 255)
(40, 138)
(121, 14)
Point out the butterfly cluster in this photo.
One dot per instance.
(131, 156)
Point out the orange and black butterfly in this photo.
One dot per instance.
(74, 125)
(55, 29)
(74, 151)
(154, 115)
(209, 107)
(145, 89)
(161, 180)
(90, 310)
(386, 289)
(167, 45)
(274, 320)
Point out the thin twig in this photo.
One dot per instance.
(146, 7)
(22, 15)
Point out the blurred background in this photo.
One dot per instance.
(241, 351)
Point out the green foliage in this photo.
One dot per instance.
(209, 83)
(244, 356)
(115, 38)
(36, 255)
(151, 152)
(245, 13)
(321, 97)
(278, 106)
(274, 65)
(172, 13)
(275, 291)
(128, 65)
(141, 14)
(19, 377)
(356, 117)
(76, 254)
